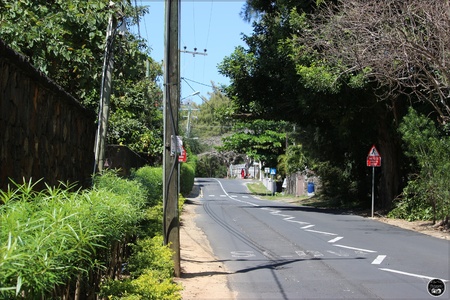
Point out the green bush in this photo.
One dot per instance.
(151, 271)
(152, 180)
(427, 194)
(337, 186)
(54, 240)
(187, 177)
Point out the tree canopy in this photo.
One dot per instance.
(66, 41)
(402, 46)
(305, 64)
(260, 140)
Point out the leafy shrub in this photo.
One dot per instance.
(412, 206)
(151, 254)
(427, 192)
(337, 186)
(51, 240)
(151, 179)
(187, 177)
(151, 285)
(151, 270)
(48, 238)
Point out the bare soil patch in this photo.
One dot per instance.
(202, 275)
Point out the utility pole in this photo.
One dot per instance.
(106, 85)
(171, 221)
(105, 95)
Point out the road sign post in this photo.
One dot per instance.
(373, 160)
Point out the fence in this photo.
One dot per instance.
(45, 133)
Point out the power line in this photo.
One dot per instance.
(204, 84)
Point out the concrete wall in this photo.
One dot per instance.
(44, 132)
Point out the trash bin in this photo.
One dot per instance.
(310, 188)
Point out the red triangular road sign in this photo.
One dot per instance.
(373, 158)
(373, 151)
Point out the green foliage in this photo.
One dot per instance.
(151, 179)
(151, 269)
(59, 33)
(214, 117)
(152, 225)
(413, 206)
(187, 176)
(427, 194)
(55, 235)
(211, 165)
(293, 161)
(135, 118)
(51, 238)
(337, 186)
(66, 41)
(319, 77)
(261, 140)
(151, 254)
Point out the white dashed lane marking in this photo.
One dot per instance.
(357, 249)
(336, 239)
(378, 260)
(320, 232)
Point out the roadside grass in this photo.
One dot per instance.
(258, 189)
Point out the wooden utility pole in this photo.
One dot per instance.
(171, 221)
(105, 89)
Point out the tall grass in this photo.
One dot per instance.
(62, 243)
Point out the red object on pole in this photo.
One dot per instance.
(183, 156)
(373, 158)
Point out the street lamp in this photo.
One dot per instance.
(193, 94)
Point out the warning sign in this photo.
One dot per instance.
(183, 156)
(373, 158)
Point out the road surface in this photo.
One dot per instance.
(275, 250)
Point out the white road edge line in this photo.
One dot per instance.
(294, 221)
(353, 248)
(378, 260)
(227, 195)
(287, 218)
(336, 239)
(410, 274)
(307, 226)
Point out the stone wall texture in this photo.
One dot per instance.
(45, 133)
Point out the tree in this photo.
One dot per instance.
(339, 117)
(66, 41)
(402, 46)
(214, 115)
(260, 140)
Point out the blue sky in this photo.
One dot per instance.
(214, 25)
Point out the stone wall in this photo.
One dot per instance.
(45, 133)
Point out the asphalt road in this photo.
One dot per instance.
(275, 250)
